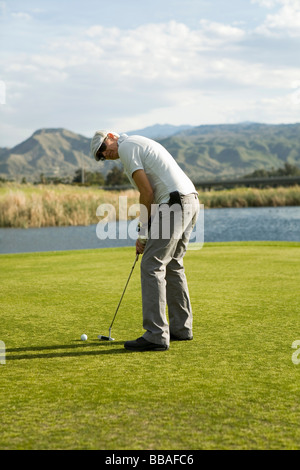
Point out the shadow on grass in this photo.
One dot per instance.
(41, 352)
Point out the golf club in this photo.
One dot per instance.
(109, 338)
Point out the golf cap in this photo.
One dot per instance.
(97, 141)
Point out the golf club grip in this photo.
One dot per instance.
(136, 258)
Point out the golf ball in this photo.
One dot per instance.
(84, 337)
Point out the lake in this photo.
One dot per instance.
(246, 224)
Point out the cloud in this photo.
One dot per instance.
(222, 31)
(20, 15)
(266, 3)
(157, 72)
(156, 53)
(283, 107)
(285, 21)
(157, 57)
(173, 36)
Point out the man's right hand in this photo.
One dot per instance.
(140, 246)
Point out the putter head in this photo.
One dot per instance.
(105, 338)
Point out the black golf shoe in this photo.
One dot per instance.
(141, 344)
(176, 338)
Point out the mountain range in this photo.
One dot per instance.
(204, 152)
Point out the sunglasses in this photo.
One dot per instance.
(102, 149)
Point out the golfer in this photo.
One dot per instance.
(163, 234)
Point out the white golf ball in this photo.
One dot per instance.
(84, 337)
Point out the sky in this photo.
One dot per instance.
(124, 65)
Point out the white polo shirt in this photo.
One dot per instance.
(164, 174)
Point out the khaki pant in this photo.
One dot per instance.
(162, 273)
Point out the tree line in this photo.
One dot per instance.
(286, 170)
(115, 177)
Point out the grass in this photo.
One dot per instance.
(233, 387)
(252, 197)
(27, 206)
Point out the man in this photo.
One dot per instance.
(161, 184)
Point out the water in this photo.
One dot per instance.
(247, 224)
(252, 224)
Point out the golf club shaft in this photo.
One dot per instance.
(136, 258)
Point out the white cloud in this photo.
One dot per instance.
(284, 108)
(155, 53)
(222, 31)
(158, 37)
(164, 56)
(285, 21)
(274, 3)
(21, 16)
(155, 72)
(266, 3)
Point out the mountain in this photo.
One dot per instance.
(159, 131)
(233, 150)
(60, 152)
(51, 152)
(204, 152)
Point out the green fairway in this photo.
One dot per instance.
(233, 387)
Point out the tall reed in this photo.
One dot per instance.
(251, 197)
(26, 206)
(46, 206)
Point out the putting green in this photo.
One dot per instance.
(234, 386)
